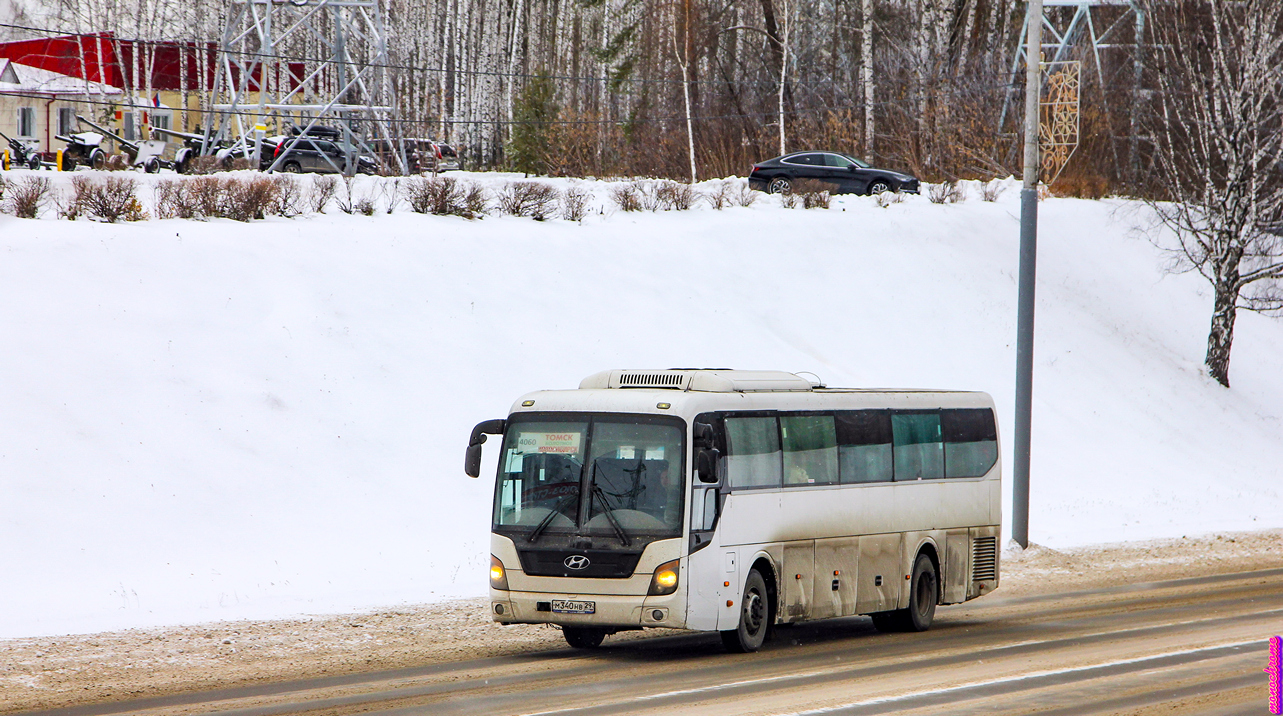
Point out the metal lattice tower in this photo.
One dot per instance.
(308, 63)
(1064, 32)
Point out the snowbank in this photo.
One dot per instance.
(214, 420)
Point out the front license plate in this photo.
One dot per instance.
(565, 606)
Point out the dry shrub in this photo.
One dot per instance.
(176, 200)
(237, 164)
(248, 199)
(991, 190)
(1083, 187)
(788, 199)
(528, 198)
(720, 197)
(112, 199)
(946, 192)
(668, 195)
(345, 201)
(207, 194)
(474, 200)
(324, 188)
(813, 194)
(887, 198)
(365, 206)
(627, 196)
(574, 203)
(72, 205)
(743, 195)
(390, 189)
(27, 197)
(290, 200)
(445, 196)
(2, 186)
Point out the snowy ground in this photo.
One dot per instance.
(212, 420)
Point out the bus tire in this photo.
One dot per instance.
(755, 617)
(583, 637)
(924, 592)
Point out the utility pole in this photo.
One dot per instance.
(1028, 258)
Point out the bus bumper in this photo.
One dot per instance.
(609, 610)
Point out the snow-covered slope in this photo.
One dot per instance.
(213, 420)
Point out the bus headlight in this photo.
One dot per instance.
(664, 580)
(498, 577)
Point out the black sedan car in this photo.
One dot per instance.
(843, 173)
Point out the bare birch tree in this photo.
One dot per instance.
(1219, 147)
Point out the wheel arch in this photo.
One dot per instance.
(765, 565)
(927, 545)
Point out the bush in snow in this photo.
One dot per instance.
(946, 192)
(290, 200)
(991, 190)
(668, 195)
(720, 197)
(743, 195)
(445, 196)
(528, 198)
(887, 198)
(628, 196)
(176, 200)
(323, 190)
(27, 197)
(248, 199)
(813, 194)
(112, 199)
(474, 200)
(574, 203)
(788, 199)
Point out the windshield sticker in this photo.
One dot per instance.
(626, 452)
(655, 453)
(549, 442)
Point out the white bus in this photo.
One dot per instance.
(731, 501)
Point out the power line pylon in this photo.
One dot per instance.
(306, 62)
(1065, 31)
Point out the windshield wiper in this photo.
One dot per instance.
(609, 513)
(547, 520)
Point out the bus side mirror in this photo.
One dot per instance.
(706, 464)
(472, 460)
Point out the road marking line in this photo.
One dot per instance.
(887, 699)
(1012, 679)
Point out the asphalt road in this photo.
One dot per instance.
(1193, 646)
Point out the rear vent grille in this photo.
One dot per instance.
(651, 380)
(984, 559)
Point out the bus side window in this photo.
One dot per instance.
(864, 445)
(810, 450)
(919, 449)
(970, 442)
(753, 452)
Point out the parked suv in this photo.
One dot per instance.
(426, 155)
(318, 151)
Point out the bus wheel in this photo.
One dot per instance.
(583, 637)
(755, 617)
(923, 593)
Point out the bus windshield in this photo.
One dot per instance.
(612, 476)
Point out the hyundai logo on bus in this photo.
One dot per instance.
(577, 561)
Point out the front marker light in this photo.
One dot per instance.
(498, 577)
(664, 580)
